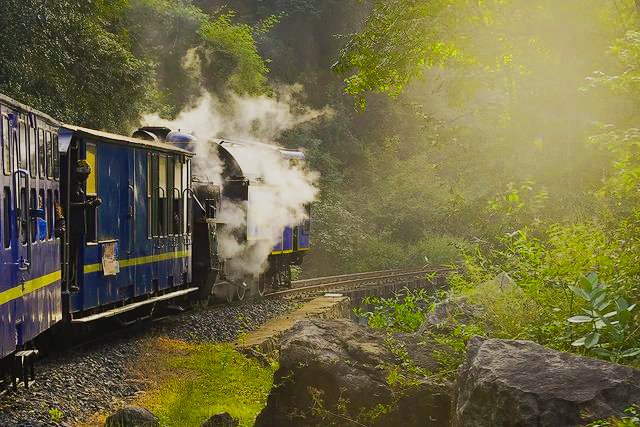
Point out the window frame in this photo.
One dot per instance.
(6, 144)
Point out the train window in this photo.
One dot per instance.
(56, 157)
(162, 195)
(149, 197)
(41, 154)
(189, 207)
(33, 146)
(23, 215)
(23, 146)
(56, 202)
(91, 180)
(41, 205)
(177, 197)
(6, 146)
(33, 204)
(6, 222)
(185, 199)
(49, 142)
(170, 191)
(49, 215)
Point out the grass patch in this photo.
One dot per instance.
(195, 381)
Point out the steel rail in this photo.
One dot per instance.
(353, 281)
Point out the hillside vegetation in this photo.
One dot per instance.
(502, 134)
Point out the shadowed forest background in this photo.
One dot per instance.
(502, 134)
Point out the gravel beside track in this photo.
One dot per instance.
(83, 381)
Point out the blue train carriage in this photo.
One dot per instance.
(128, 209)
(244, 183)
(30, 282)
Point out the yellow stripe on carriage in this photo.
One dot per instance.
(29, 286)
(92, 268)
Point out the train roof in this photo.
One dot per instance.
(121, 139)
(4, 99)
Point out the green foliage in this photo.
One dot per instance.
(609, 321)
(56, 415)
(404, 312)
(633, 420)
(60, 58)
(211, 378)
(102, 64)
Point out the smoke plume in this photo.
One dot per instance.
(280, 189)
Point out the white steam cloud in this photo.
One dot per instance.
(284, 187)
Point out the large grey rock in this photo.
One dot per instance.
(132, 416)
(335, 371)
(520, 383)
(223, 419)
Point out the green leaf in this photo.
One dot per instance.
(601, 351)
(580, 319)
(591, 340)
(578, 342)
(600, 324)
(581, 293)
(586, 284)
(622, 304)
(632, 352)
(592, 278)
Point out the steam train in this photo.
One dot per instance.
(97, 225)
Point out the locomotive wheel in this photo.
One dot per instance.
(240, 292)
(261, 286)
(224, 293)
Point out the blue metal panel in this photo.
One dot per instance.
(287, 240)
(29, 293)
(304, 237)
(122, 186)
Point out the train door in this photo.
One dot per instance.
(20, 180)
(128, 229)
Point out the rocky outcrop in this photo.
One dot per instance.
(223, 419)
(132, 416)
(335, 372)
(520, 383)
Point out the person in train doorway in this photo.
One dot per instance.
(81, 207)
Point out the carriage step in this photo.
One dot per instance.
(22, 368)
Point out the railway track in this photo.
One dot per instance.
(347, 282)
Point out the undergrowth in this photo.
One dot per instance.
(196, 381)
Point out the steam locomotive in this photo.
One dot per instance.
(97, 225)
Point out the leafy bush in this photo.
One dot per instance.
(608, 320)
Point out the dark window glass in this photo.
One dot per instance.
(6, 146)
(49, 143)
(149, 196)
(170, 192)
(41, 205)
(49, 215)
(42, 153)
(33, 201)
(33, 146)
(23, 146)
(56, 157)
(6, 221)
(23, 215)
(189, 207)
(56, 202)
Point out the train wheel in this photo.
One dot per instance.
(224, 293)
(240, 292)
(261, 286)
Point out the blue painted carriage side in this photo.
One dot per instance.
(146, 264)
(30, 298)
(287, 240)
(304, 237)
